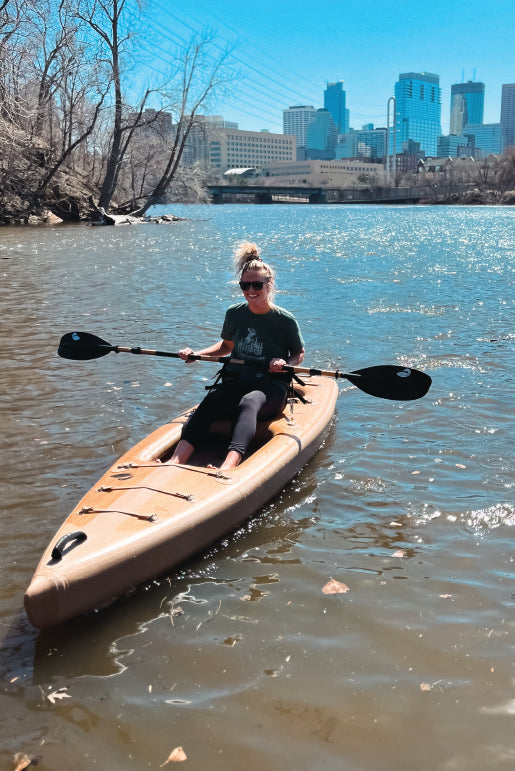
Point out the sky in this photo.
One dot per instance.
(285, 52)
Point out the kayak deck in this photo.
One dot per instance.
(145, 516)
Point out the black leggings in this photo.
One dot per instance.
(244, 408)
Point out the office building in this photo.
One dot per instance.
(452, 146)
(334, 101)
(204, 130)
(296, 120)
(486, 137)
(467, 105)
(233, 149)
(508, 115)
(365, 143)
(153, 123)
(321, 136)
(329, 173)
(348, 145)
(418, 100)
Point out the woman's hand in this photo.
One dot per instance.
(186, 354)
(222, 348)
(276, 365)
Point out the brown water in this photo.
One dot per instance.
(239, 657)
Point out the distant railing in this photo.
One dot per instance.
(376, 195)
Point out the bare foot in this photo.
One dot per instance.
(232, 460)
(181, 454)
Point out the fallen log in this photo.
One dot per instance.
(129, 219)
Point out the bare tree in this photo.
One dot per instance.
(12, 14)
(484, 173)
(67, 152)
(505, 171)
(51, 38)
(200, 77)
(110, 21)
(65, 120)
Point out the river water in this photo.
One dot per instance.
(238, 656)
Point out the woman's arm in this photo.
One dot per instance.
(296, 358)
(221, 348)
(293, 360)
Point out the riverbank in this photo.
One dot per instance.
(476, 198)
(73, 206)
(67, 200)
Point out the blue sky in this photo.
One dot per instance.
(286, 51)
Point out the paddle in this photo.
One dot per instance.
(386, 381)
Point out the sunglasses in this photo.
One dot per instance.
(245, 285)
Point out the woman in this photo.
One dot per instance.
(255, 330)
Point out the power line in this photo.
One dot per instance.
(257, 48)
(241, 100)
(245, 64)
(182, 43)
(269, 109)
(259, 88)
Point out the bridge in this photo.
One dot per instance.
(262, 194)
(312, 195)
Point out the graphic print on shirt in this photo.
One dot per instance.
(251, 345)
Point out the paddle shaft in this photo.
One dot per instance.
(150, 352)
(224, 360)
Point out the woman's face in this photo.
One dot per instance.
(256, 297)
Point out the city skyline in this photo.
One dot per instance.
(286, 55)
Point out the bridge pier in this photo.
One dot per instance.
(319, 197)
(263, 198)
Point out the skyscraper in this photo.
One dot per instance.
(467, 105)
(296, 120)
(334, 101)
(417, 96)
(508, 115)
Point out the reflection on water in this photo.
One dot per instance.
(238, 656)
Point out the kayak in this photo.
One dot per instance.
(145, 516)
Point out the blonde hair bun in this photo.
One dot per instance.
(244, 253)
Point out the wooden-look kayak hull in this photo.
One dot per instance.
(143, 516)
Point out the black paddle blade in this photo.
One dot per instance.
(82, 346)
(391, 382)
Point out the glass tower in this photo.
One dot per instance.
(487, 137)
(334, 101)
(322, 136)
(418, 98)
(467, 105)
(508, 115)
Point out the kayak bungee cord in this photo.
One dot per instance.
(105, 489)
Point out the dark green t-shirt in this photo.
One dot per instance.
(262, 336)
